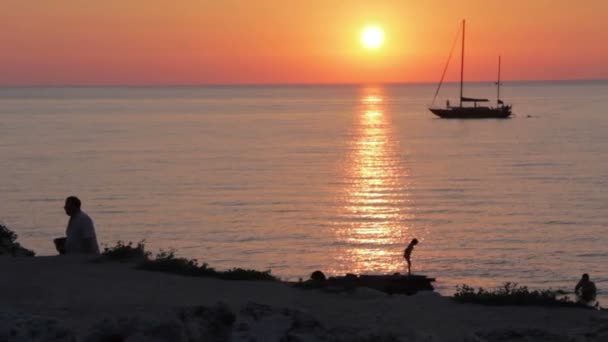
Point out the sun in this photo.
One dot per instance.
(372, 37)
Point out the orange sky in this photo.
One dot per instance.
(156, 42)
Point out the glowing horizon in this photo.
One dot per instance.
(156, 42)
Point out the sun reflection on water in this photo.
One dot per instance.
(374, 227)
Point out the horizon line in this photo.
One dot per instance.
(293, 84)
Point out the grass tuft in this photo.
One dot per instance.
(166, 261)
(125, 252)
(512, 294)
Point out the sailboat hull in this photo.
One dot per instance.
(472, 112)
(501, 111)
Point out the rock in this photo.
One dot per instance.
(600, 332)
(18, 328)
(135, 329)
(255, 322)
(366, 292)
(318, 276)
(427, 294)
(186, 324)
(203, 323)
(258, 322)
(525, 334)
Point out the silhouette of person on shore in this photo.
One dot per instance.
(80, 232)
(585, 289)
(407, 254)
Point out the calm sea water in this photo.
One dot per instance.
(336, 178)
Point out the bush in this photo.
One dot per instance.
(511, 294)
(166, 261)
(124, 252)
(244, 274)
(9, 244)
(7, 234)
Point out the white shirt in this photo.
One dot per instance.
(80, 230)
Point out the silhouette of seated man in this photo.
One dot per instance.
(585, 289)
(407, 254)
(80, 233)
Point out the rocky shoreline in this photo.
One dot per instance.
(253, 322)
(113, 299)
(67, 298)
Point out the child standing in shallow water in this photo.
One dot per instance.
(407, 253)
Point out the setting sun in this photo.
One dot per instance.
(372, 37)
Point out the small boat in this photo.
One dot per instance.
(470, 112)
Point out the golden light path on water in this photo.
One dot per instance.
(375, 229)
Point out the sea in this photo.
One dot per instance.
(337, 178)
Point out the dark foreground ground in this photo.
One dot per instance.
(72, 299)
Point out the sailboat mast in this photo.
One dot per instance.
(462, 63)
(498, 84)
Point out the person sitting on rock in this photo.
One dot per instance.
(80, 233)
(585, 289)
(407, 254)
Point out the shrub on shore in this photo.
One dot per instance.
(245, 274)
(124, 252)
(9, 244)
(512, 294)
(166, 261)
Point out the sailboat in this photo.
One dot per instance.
(471, 112)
